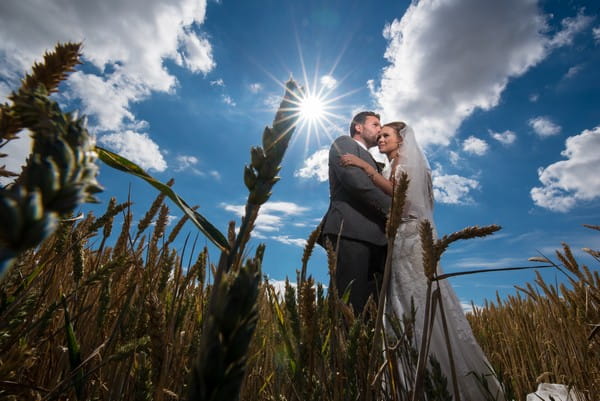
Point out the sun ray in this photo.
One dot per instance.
(321, 114)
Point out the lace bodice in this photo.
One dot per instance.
(419, 196)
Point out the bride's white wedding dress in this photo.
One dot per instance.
(408, 282)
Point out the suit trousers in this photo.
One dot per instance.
(360, 265)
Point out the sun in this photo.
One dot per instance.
(312, 108)
(318, 107)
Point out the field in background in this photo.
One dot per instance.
(124, 322)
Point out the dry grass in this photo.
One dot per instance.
(137, 315)
(135, 310)
(543, 334)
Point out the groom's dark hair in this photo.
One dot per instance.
(360, 118)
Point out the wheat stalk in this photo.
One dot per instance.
(261, 174)
(393, 222)
(48, 74)
(60, 172)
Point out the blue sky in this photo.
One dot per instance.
(503, 96)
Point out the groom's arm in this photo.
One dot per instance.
(354, 180)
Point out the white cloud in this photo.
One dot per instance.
(272, 216)
(272, 102)
(454, 157)
(372, 87)
(544, 127)
(11, 73)
(467, 306)
(197, 53)
(5, 90)
(138, 148)
(288, 208)
(506, 138)
(573, 71)
(315, 166)
(228, 100)
(596, 33)
(18, 148)
(476, 263)
(237, 209)
(187, 163)
(443, 65)
(255, 87)
(575, 179)
(534, 97)
(571, 26)
(286, 239)
(129, 51)
(475, 146)
(328, 82)
(107, 98)
(279, 287)
(184, 161)
(552, 198)
(170, 219)
(453, 189)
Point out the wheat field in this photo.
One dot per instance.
(88, 314)
(83, 320)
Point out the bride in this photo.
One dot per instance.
(408, 282)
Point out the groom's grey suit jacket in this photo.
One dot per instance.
(354, 199)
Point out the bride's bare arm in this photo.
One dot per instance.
(380, 181)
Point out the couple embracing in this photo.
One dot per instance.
(360, 199)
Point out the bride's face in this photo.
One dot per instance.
(388, 141)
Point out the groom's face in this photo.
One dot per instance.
(369, 130)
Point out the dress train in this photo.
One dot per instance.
(409, 284)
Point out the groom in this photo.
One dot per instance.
(357, 213)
